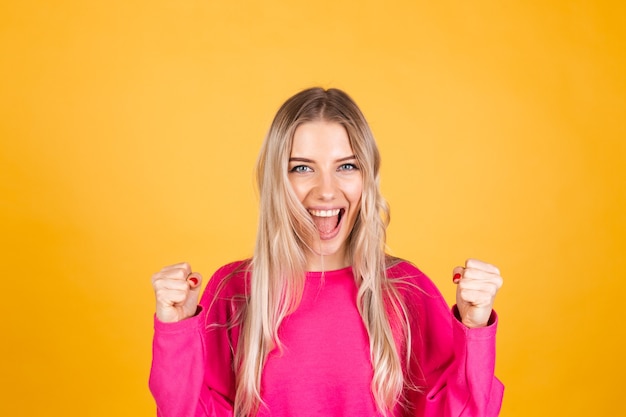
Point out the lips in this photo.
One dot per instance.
(327, 222)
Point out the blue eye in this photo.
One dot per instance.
(300, 169)
(348, 167)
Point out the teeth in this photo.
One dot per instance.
(325, 213)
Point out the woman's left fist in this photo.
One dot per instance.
(478, 283)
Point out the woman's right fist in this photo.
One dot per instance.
(176, 289)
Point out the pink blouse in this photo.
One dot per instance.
(324, 368)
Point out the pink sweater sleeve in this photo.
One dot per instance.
(452, 365)
(190, 377)
(468, 387)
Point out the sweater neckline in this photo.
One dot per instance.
(347, 271)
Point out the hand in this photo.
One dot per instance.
(478, 284)
(176, 289)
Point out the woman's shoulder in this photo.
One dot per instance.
(231, 278)
(239, 268)
(398, 268)
(408, 277)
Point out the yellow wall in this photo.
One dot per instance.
(129, 132)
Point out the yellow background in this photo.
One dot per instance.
(129, 131)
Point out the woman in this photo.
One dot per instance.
(321, 322)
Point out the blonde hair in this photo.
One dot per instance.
(278, 263)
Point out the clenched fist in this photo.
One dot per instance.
(176, 289)
(478, 284)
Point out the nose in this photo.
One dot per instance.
(326, 187)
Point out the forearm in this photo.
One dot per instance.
(468, 387)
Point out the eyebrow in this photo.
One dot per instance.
(347, 158)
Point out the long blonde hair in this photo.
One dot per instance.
(278, 263)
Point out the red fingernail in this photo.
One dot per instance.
(456, 277)
(194, 281)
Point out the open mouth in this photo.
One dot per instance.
(327, 221)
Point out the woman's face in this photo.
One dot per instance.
(325, 175)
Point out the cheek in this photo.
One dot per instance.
(354, 193)
(298, 188)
